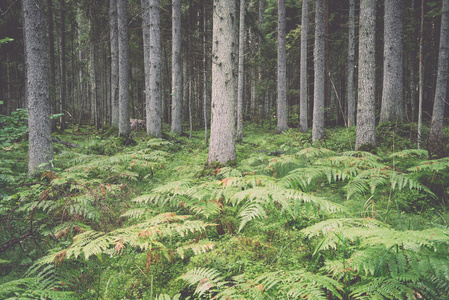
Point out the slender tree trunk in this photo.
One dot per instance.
(421, 76)
(40, 145)
(176, 120)
(282, 71)
(113, 31)
(392, 108)
(63, 66)
(319, 66)
(124, 124)
(52, 67)
(154, 118)
(145, 5)
(222, 138)
(366, 118)
(241, 70)
(303, 99)
(436, 126)
(351, 51)
(205, 79)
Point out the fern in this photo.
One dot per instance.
(30, 288)
(206, 280)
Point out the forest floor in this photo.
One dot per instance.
(287, 219)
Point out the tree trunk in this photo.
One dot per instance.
(392, 108)
(52, 67)
(176, 118)
(241, 78)
(63, 67)
(154, 119)
(124, 125)
(40, 145)
(351, 51)
(222, 137)
(319, 66)
(113, 31)
(366, 118)
(282, 71)
(303, 99)
(436, 126)
(421, 76)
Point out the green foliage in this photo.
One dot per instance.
(13, 127)
(117, 222)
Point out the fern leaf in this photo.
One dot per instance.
(204, 279)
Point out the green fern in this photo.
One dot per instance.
(206, 280)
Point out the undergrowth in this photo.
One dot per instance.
(288, 219)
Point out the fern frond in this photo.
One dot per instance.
(202, 246)
(300, 284)
(328, 226)
(436, 165)
(280, 166)
(204, 279)
(382, 288)
(313, 153)
(167, 297)
(410, 153)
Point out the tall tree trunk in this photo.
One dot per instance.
(113, 32)
(303, 99)
(205, 79)
(63, 67)
(222, 137)
(154, 118)
(351, 51)
(145, 5)
(282, 71)
(124, 124)
(40, 149)
(52, 67)
(421, 76)
(366, 118)
(241, 70)
(392, 108)
(436, 126)
(319, 66)
(176, 118)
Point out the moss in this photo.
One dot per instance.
(368, 148)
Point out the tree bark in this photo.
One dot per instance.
(124, 125)
(436, 126)
(421, 76)
(153, 111)
(63, 67)
(40, 145)
(303, 99)
(176, 120)
(222, 137)
(366, 119)
(351, 51)
(282, 71)
(114, 63)
(392, 108)
(241, 70)
(319, 66)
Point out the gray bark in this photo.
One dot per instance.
(303, 98)
(145, 6)
(351, 51)
(124, 125)
(366, 121)
(392, 108)
(40, 149)
(436, 126)
(176, 69)
(63, 66)
(241, 70)
(222, 137)
(282, 71)
(154, 107)
(421, 76)
(319, 73)
(114, 63)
